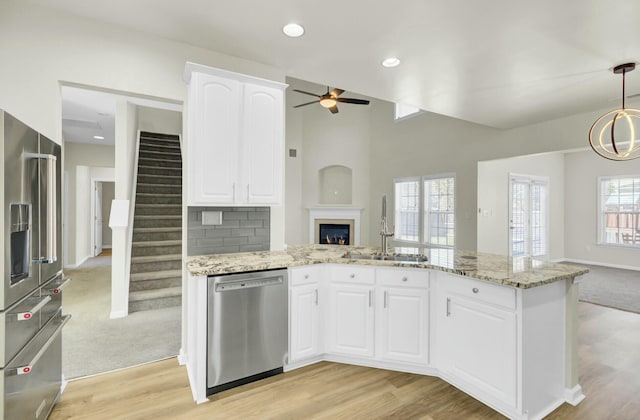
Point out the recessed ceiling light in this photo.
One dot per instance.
(293, 30)
(98, 137)
(391, 62)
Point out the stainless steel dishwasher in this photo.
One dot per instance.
(247, 327)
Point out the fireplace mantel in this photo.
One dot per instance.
(335, 213)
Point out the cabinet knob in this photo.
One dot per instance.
(404, 279)
(475, 290)
(306, 276)
(352, 275)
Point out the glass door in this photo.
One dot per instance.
(528, 216)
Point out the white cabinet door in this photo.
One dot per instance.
(262, 144)
(350, 313)
(477, 345)
(214, 114)
(235, 139)
(402, 325)
(305, 321)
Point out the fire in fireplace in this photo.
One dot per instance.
(334, 233)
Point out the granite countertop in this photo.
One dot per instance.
(510, 271)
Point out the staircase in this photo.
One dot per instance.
(156, 249)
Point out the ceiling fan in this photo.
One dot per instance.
(330, 99)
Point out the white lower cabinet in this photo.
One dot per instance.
(477, 340)
(305, 316)
(350, 320)
(402, 325)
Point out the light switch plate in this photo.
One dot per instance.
(211, 217)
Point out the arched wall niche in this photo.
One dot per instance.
(335, 185)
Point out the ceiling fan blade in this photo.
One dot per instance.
(308, 103)
(333, 109)
(336, 92)
(353, 101)
(306, 93)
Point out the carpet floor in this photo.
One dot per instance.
(611, 287)
(93, 343)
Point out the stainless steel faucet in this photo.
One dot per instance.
(384, 232)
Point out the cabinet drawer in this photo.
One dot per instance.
(402, 277)
(352, 274)
(480, 290)
(304, 275)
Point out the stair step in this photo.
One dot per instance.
(157, 229)
(159, 179)
(159, 155)
(154, 294)
(153, 220)
(160, 163)
(170, 170)
(155, 275)
(149, 305)
(157, 234)
(144, 184)
(148, 198)
(152, 170)
(159, 136)
(145, 141)
(172, 242)
(158, 209)
(156, 258)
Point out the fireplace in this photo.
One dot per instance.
(335, 226)
(334, 232)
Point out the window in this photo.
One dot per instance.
(425, 210)
(404, 111)
(619, 211)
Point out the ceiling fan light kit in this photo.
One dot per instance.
(603, 135)
(330, 99)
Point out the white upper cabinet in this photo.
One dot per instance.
(235, 141)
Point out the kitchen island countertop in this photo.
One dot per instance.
(520, 272)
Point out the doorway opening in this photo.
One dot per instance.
(528, 216)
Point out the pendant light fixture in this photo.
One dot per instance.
(604, 136)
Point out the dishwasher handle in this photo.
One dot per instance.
(248, 284)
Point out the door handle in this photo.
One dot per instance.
(370, 292)
(316, 297)
(247, 192)
(233, 186)
(59, 289)
(385, 299)
(448, 306)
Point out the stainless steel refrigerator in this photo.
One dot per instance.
(31, 317)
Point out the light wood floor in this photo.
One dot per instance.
(610, 377)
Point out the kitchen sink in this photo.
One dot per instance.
(395, 258)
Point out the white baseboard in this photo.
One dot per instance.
(574, 396)
(78, 264)
(182, 357)
(118, 314)
(601, 264)
(106, 246)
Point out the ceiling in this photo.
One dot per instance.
(500, 63)
(90, 113)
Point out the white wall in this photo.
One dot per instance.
(86, 52)
(493, 200)
(582, 170)
(296, 223)
(157, 120)
(425, 145)
(323, 139)
(78, 159)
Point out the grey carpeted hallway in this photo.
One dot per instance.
(94, 343)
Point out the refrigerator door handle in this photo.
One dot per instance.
(48, 180)
(23, 316)
(25, 369)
